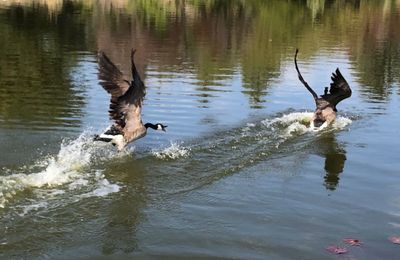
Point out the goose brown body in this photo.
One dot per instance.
(125, 103)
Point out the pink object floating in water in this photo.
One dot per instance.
(352, 241)
(336, 249)
(395, 239)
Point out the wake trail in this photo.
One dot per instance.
(185, 167)
(72, 174)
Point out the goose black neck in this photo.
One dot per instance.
(152, 126)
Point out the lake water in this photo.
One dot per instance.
(238, 174)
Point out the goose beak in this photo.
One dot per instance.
(164, 128)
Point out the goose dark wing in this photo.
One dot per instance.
(137, 86)
(111, 78)
(130, 104)
(126, 97)
(339, 89)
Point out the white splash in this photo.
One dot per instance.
(33, 207)
(296, 128)
(300, 117)
(104, 187)
(247, 129)
(70, 165)
(298, 123)
(174, 151)
(341, 122)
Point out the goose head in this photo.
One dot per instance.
(157, 126)
(161, 127)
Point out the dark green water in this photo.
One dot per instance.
(238, 174)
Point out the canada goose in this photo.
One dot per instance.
(125, 104)
(325, 112)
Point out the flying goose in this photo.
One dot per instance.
(325, 112)
(125, 104)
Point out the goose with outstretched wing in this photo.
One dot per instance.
(125, 104)
(325, 112)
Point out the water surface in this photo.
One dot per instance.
(239, 174)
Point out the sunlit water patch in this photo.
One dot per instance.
(68, 171)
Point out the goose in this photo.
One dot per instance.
(325, 112)
(125, 104)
